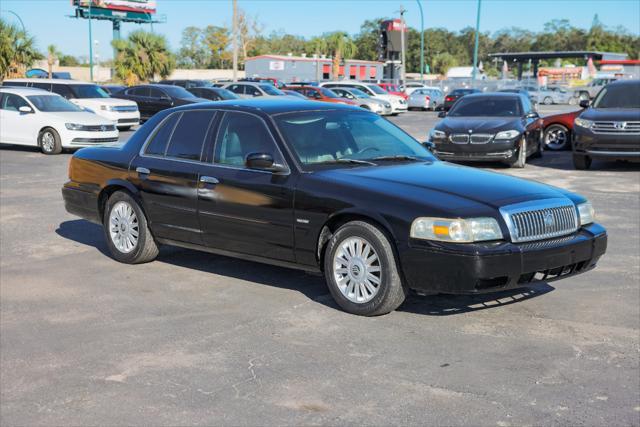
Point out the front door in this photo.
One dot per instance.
(243, 210)
(167, 174)
(17, 127)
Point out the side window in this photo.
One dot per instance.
(11, 102)
(188, 136)
(241, 134)
(14, 84)
(239, 89)
(138, 91)
(158, 144)
(253, 91)
(45, 86)
(62, 90)
(312, 93)
(156, 93)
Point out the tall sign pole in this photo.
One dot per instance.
(421, 41)
(402, 58)
(235, 40)
(90, 45)
(475, 48)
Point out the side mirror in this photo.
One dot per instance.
(263, 161)
(25, 110)
(585, 103)
(429, 145)
(533, 115)
(442, 114)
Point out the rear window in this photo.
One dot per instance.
(188, 136)
(158, 144)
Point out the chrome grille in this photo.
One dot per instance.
(540, 219)
(99, 128)
(125, 108)
(616, 127)
(460, 138)
(481, 138)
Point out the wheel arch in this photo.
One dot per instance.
(42, 129)
(111, 187)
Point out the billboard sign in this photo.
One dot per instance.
(136, 6)
(276, 65)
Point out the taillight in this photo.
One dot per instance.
(427, 98)
(449, 98)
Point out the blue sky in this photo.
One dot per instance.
(47, 19)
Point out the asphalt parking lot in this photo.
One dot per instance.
(195, 338)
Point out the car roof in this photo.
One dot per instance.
(494, 95)
(629, 82)
(24, 91)
(271, 106)
(156, 85)
(63, 81)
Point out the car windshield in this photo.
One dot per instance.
(340, 137)
(271, 90)
(359, 94)
(53, 103)
(618, 96)
(226, 94)
(377, 90)
(486, 106)
(88, 91)
(177, 92)
(328, 93)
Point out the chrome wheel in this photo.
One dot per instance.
(123, 227)
(556, 138)
(48, 141)
(357, 270)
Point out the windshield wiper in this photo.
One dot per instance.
(399, 157)
(351, 161)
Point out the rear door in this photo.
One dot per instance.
(158, 100)
(167, 172)
(244, 210)
(140, 95)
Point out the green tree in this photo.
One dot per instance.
(443, 61)
(69, 61)
(368, 38)
(193, 52)
(341, 46)
(52, 55)
(217, 40)
(142, 57)
(17, 51)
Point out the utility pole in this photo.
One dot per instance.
(402, 57)
(90, 45)
(475, 49)
(235, 40)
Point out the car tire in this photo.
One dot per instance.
(123, 218)
(547, 100)
(581, 162)
(49, 141)
(521, 158)
(540, 149)
(556, 137)
(351, 275)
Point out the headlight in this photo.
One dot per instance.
(106, 107)
(456, 230)
(437, 134)
(74, 126)
(583, 123)
(507, 134)
(587, 213)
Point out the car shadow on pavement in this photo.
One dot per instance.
(310, 285)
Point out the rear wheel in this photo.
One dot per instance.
(547, 100)
(581, 162)
(556, 137)
(361, 270)
(126, 230)
(49, 141)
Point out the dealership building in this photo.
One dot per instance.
(289, 68)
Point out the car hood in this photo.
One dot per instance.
(80, 117)
(97, 102)
(464, 185)
(478, 124)
(612, 114)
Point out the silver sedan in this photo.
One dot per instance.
(425, 99)
(364, 101)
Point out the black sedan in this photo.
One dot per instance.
(454, 95)
(610, 128)
(156, 97)
(111, 89)
(331, 189)
(489, 127)
(213, 93)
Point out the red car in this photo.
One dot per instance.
(393, 89)
(557, 130)
(319, 94)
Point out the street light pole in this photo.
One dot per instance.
(24, 29)
(235, 40)
(475, 48)
(403, 68)
(90, 45)
(421, 41)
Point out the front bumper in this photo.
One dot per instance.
(78, 139)
(487, 267)
(121, 119)
(606, 145)
(476, 152)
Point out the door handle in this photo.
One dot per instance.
(143, 171)
(209, 180)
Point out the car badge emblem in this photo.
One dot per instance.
(620, 125)
(470, 130)
(549, 220)
(103, 128)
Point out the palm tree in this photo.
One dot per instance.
(142, 57)
(52, 55)
(342, 46)
(17, 51)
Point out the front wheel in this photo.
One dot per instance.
(49, 141)
(547, 100)
(521, 159)
(361, 270)
(126, 230)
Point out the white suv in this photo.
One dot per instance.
(398, 104)
(123, 113)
